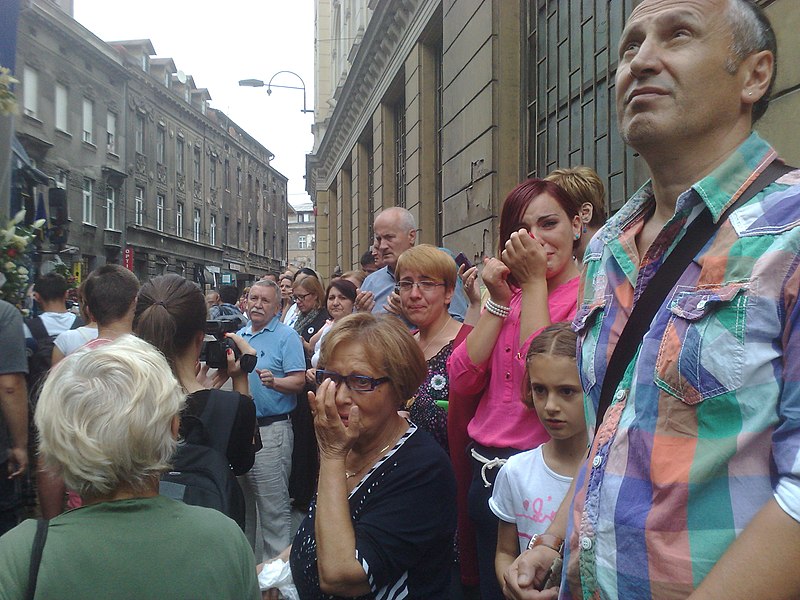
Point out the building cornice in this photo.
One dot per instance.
(393, 30)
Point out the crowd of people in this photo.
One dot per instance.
(580, 415)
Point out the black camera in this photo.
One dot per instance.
(214, 352)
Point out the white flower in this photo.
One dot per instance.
(37, 224)
(438, 382)
(22, 271)
(10, 266)
(18, 217)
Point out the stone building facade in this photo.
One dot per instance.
(443, 106)
(155, 179)
(302, 233)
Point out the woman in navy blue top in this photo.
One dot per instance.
(383, 521)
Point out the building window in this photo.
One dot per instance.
(111, 132)
(140, 133)
(88, 121)
(196, 225)
(179, 155)
(301, 242)
(161, 144)
(145, 62)
(227, 175)
(160, 212)
(197, 164)
(30, 99)
(138, 206)
(249, 237)
(570, 63)
(179, 220)
(88, 217)
(400, 152)
(111, 207)
(238, 181)
(212, 230)
(167, 78)
(225, 231)
(238, 234)
(62, 106)
(213, 173)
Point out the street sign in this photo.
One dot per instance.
(127, 258)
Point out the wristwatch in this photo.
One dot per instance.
(548, 540)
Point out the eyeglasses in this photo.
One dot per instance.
(300, 297)
(425, 287)
(356, 383)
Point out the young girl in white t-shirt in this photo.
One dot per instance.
(531, 485)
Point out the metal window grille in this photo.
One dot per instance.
(571, 61)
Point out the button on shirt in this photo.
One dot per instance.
(705, 426)
(280, 350)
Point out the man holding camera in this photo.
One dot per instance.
(279, 375)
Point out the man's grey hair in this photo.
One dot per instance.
(752, 32)
(405, 220)
(267, 283)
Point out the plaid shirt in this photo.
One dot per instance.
(705, 425)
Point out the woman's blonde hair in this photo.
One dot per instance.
(313, 286)
(391, 350)
(584, 185)
(429, 260)
(105, 417)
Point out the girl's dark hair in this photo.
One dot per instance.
(557, 339)
(170, 310)
(347, 289)
(517, 202)
(306, 271)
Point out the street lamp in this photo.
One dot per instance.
(270, 85)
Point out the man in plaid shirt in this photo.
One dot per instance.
(692, 484)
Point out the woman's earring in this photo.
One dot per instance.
(584, 229)
(577, 236)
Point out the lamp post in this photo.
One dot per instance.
(270, 85)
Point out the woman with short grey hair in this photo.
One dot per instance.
(108, 424)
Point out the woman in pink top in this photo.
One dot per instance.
(533, 284)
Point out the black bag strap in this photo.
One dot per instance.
(697, 234)
(37, 328)
(36, 556)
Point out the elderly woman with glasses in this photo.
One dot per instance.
(383, 519)
(108, 423)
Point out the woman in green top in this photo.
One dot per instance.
(108, 423)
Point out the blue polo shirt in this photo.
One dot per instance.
(279, 349)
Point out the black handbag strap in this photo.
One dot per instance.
(36, 556)
(696, 236)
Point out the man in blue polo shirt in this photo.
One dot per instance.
(279, 375)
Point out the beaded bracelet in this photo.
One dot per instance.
(496, 309)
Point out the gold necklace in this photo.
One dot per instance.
(349, 474)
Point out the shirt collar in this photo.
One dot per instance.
(717, 190)
(269, 326)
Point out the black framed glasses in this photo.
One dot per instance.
(356, 383)
(300, 297)
(423, 286)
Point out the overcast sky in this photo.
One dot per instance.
(219, 42)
